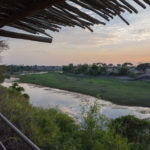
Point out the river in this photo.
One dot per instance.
(71, 102)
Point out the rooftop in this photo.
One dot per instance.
(37, 16)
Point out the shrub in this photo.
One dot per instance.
(19, 89)
(123, 70)
(113, 73)
(69, 68)
(94, 137)
(132, 75)
(52, 129)
(143, 67)
(2, 76)
(49, 128)
(137, 131)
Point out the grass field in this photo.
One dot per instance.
(133, 93)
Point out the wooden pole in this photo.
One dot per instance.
(10, 34)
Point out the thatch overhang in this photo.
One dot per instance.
(37, 16)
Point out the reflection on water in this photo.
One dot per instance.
(70, 102)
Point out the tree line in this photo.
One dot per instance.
(35, 68)
(103, 69)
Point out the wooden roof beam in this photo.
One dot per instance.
(23, 36)
(29, 11)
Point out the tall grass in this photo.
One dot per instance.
(135, 93)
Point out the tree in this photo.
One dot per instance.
(3, 46)
(82, 69)
(136, 130)
(2, 75)
(69, 68)
(103, 68)
(92, 135)
(127, 64)
(143, 67)
(95, 70)
(123, 70)
(15, 86)
(110, 65)
(118, 65)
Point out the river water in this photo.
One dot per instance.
(72, 103)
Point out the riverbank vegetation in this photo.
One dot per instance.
(16, 69)
(135, 93)
(51, 129)
(96, 69)
(2, 74)
(101, 69)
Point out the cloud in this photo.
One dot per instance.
(114, 33)
(108, 43)
(142, 31)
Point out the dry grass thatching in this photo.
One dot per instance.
(36, 16)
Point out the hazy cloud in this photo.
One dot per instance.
(114, 42)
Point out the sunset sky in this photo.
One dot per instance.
(114, 43)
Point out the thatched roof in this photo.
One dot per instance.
(36, 16)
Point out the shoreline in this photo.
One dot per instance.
(42, 86)
(76, 98)
(77, 90)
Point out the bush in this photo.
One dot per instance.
(113, 73)
(69, 68)
(132, 75)
(26, 96)
(135, 130)
(143, 67)
(48, 128)
(94, 135)
(52, 129)
(2, 76)
(123, 70)
(19, 89)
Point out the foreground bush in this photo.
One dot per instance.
(51, 129)
(137, 131)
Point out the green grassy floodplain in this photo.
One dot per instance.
(131, 93)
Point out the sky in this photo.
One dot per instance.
(113, 43)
